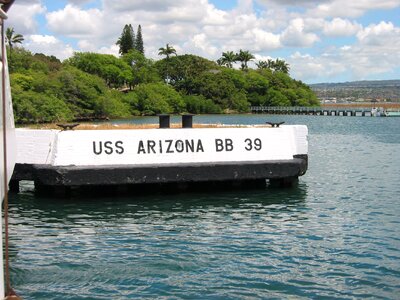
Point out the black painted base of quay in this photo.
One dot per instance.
(100, 191)
(116, 178)
(95, 191)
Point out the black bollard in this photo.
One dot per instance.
(187, 121)
(164, 121)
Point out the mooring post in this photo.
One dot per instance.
(187, 121)
(164, 120)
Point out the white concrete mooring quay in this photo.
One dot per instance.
(59, 161)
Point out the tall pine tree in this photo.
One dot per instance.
(126, 41)
(133, 36)
(139, 40)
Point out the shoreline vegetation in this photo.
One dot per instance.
(89, 125)
(92, 86)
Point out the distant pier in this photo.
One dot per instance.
(316, 111)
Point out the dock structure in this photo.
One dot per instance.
(316, 111)
(64, 159)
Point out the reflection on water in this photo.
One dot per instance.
(335, 235)
(177, 202)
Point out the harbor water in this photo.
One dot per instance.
(336, 235)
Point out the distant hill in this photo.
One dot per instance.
(367, 90)
(363, 83)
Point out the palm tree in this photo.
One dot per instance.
(244, 57)
(277, 65)
(167, 51)
(12, 38)
(262, 64)
(281, 66)
(227, 59)
(270, 64)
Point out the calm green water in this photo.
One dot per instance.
(335, 235)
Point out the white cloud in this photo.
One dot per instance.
(259, 57)
(309, 67)
(87, 46)
(22, 17)
(345, 48)
(345, 8)
(244, 6)
(341, 27)
(333, 8)
(234, 27)
(74, 22)
(384, 34)
(301, 3)
(199, 45)
(48, 45)
(295, 35)
(185, 14)
(265, 41)
(113, 49)
(143, 5)
(43, 39)
(215, 17)
(375, 52)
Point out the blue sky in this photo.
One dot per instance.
(322, 40)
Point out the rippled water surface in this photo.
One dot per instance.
(335, 235)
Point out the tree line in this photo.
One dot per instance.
(96, 86)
